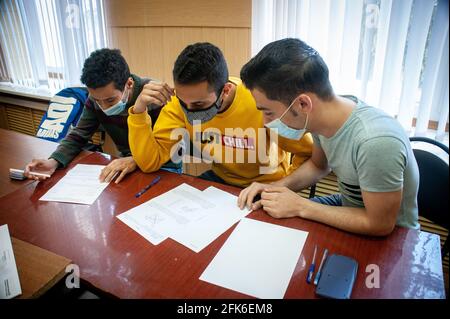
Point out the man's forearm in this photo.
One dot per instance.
(147, 152)
(351, 219)
(304, 176)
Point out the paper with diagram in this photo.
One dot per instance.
(192, 217)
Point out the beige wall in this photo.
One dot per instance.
(151, 33)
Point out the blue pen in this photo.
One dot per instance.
(311, 268)
(156, 180)
(319, 271)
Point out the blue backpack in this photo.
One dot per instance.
(63, 112)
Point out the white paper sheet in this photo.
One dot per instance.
(9, 277)
(80, 186)
(258, 259)
(225, 214)
(142, 221)
(220, 196)
(157, 218)
(187, 215)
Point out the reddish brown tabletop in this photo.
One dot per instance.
(17, 150)
(117, 260)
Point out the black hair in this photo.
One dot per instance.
(103, 67)
(285, 68)
(201, 62)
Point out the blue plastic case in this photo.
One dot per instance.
(338, 277)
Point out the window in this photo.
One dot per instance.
(393, 54)
(45, 42)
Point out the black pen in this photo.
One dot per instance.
(156, 180)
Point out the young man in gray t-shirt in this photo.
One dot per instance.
(367, 149)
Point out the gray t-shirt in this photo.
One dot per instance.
(371, 152)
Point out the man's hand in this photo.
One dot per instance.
(248, 194)
(43, 166)
(281, 202)
(153, 93)
(123, 165)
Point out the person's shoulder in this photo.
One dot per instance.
(145, 80)
(235, 80)
(90, 110)
(138, 78)
(242, 92)
(140, 81)
(89, 104)
(374, 122)
(384, 146)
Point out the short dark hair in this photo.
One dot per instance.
(201, 62)
(103, 67)
(285, 68)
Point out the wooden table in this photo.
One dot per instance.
(39, 270)
(117, 260)
(16, 151)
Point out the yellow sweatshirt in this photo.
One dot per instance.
(235, 141)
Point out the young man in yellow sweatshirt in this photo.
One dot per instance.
(217, 116)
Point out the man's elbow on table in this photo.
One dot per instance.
(382, 209)
(147, 158)
(381, 222)
(380, 228)
(146, 165)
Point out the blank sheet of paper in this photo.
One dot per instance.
(80, 186)
(258, 259)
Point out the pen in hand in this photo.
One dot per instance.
(153, 182)
(311, 268)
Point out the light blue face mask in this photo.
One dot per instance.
(117, 108)
(285, 131)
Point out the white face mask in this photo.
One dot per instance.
(285, 131)
(119, 107)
